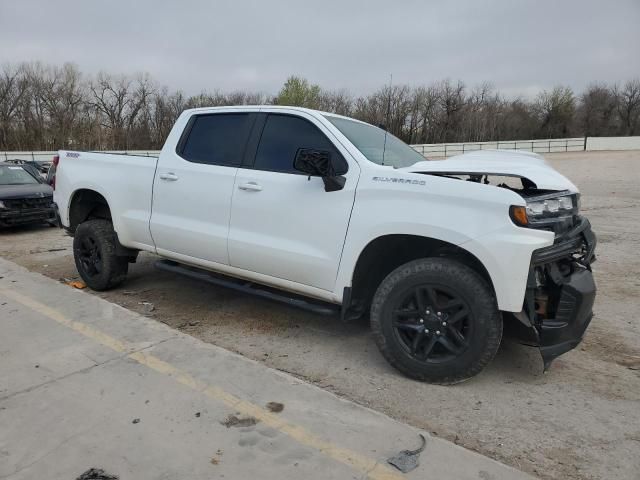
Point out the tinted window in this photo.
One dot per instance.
(281, 138)
(217, 139)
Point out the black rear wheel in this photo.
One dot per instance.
(436, 320)
(94, 250)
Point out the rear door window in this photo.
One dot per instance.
(216, 139)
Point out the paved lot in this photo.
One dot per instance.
(580, 420)
(87, 384)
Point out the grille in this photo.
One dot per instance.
(27, 203)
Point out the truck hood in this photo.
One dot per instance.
(508, 163)
(23, 191)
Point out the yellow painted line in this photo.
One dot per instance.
(357, 461)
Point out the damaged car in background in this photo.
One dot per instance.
(24, 196)
(337, 216)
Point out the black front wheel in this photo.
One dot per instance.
(94, 250)
(436, 320)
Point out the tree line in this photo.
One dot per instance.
(48, 107)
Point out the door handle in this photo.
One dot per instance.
(251, 187)
(170, 176)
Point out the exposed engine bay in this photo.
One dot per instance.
(521, 185)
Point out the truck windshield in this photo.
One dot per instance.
(10, 175)
(371, 142)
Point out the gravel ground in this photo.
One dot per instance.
(579, 420)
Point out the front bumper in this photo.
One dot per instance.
(10, 217)
(560, 293)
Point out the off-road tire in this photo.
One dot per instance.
(113, 268)
(470, 287)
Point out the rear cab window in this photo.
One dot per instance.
(215, 139)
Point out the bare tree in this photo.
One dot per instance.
(118, 103)
(13, 87)
(596, 113)
(628, 101)
(452, 100)
(339, 102)
(424, 116)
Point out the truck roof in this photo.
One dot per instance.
(252, 108)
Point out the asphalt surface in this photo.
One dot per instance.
(88, 384)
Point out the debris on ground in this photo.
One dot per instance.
(215, 460)
(235, 421)
(632, 362)
(56, 249)
(97, 474)
(135, 420)
(408, 460)
(197, 414)
(77, 284)
(147, 307)
(275, 407)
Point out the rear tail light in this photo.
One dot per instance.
(55, 162)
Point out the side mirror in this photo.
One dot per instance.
(318, 163)
(313, 162)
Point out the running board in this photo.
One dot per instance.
(249, 287)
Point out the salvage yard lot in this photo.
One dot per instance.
(579, 420)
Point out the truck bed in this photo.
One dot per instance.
(125, 181)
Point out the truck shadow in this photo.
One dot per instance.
(28, 229)
(294, 340)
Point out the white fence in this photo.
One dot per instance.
(439, 149)
(613, 143)
(537, 146)
(577, 144)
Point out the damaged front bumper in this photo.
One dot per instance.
(560, 293)
(11, 218)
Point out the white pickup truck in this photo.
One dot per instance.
(321, 210)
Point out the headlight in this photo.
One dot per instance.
(540, 208)
(544, 209)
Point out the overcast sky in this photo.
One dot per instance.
(519, 46)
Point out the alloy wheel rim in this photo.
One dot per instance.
(89, 256)
(432, 323)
